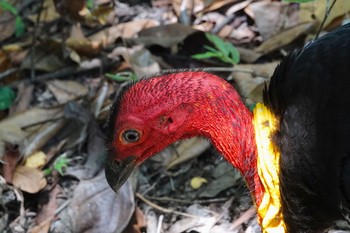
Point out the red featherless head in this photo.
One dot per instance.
(154, 113)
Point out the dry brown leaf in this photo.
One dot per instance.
(124, 30)
(100, 13)
(96, 208)
(10, 160)
(7, 25)
(187, 150)
(75, 10)
(4, 61)
(285, 37)
(316, 9)
(217, 4)
(165, 35)
(48, 14)
(139, 59)
(248, 55)
(280, 16)
(23, 99)
(66, 90)
(84, 47)
(137, 222)
(47, 57)
(29, 179)
(47, 213)
(42, 135)
(11, 127)
(248, 81)
(237, 7)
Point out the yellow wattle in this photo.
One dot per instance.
(269, 210)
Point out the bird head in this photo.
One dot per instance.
(151, 114)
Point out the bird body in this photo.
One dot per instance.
(293, 151)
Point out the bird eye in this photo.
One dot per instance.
(130, 136)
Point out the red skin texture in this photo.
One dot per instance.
(168, 108)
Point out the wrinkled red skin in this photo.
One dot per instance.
(168, 108)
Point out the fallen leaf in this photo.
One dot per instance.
(7, 29)
(280, 16)
(11, 128)
(197, 182)
(36, 160)
(187, 150)
(66, 90)
(28, 179)
(217, 4)
(164, 35)
(285, 37)
(248, 81)
(40, 137)
(96, 208)
(124, 30)
(10, 159)
(46, 213)
(225, 176)
(310, 11)
(48, 13)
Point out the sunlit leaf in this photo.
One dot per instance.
(206, 55)
(218, 42)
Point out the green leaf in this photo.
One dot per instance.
(298, 1)
(218, 42)
(211, 49)
(90, 4)
(7, 96)
(19, 26)
(206, 55)
(233, 53)
(122, 77)
(60, 163)
(5, 5)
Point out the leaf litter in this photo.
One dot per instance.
(56, 58)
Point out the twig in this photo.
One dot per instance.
(160, 222)
(209, 69)
(8, 72)
(73, 70)
(62, 207)
(248, 214)
(32, 53)
(328, 10)
(188, 202)
(162, 209)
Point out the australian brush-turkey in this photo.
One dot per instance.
(293, 150)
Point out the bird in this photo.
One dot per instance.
(293, 150)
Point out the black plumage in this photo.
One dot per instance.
(310, 92)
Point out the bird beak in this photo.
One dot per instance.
(118, 172)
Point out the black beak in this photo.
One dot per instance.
(118, 172)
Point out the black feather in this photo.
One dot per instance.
(310, 92)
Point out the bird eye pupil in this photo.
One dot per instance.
(131, 135)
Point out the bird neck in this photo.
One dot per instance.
(228, 123)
